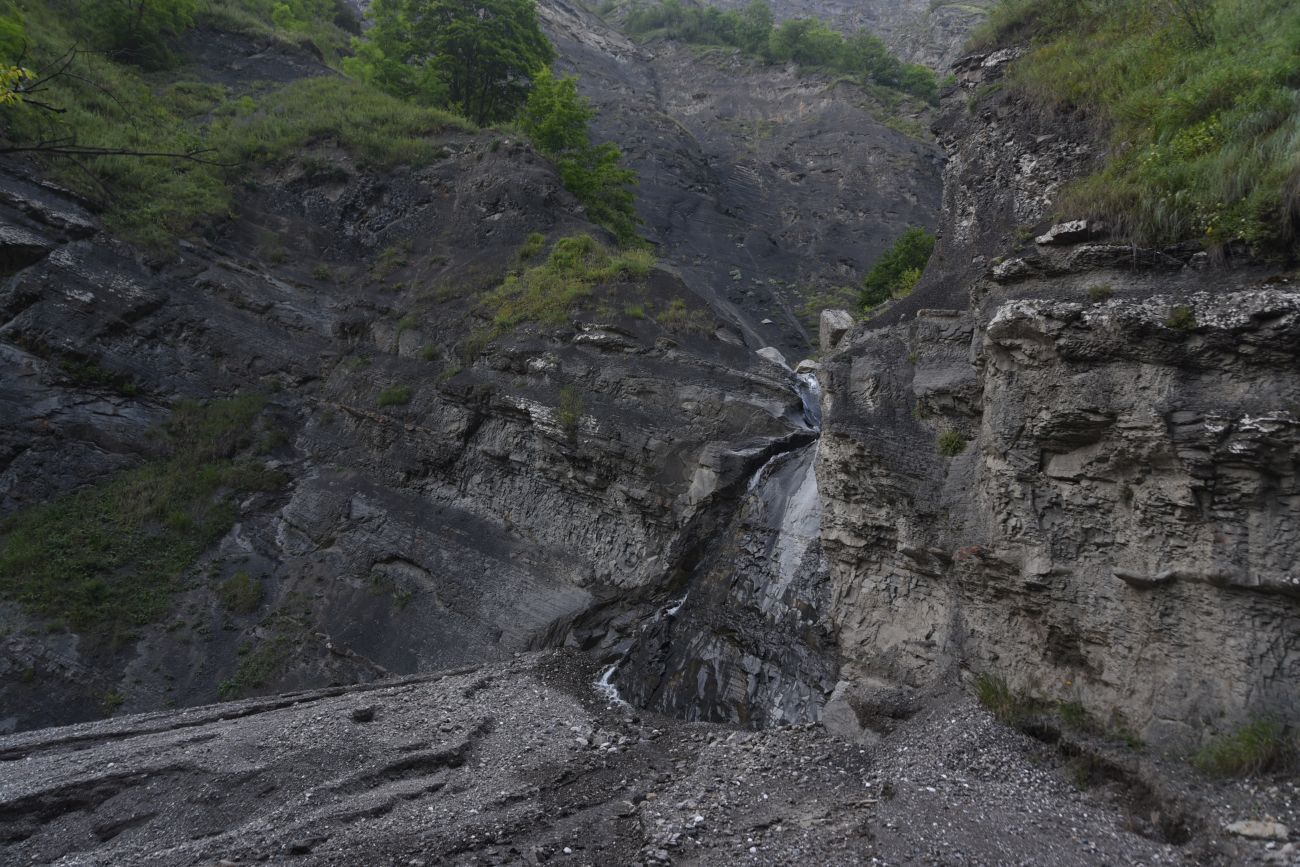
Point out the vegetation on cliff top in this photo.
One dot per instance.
(805, 41)
(1200, 100)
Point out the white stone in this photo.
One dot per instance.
(1258, 830)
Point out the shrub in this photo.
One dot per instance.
(569, 412)
(549, 292)
(951, 443)
(397, 395)
(1260, 747)
(1099, 292)
(531, 246)
(1181, 318)
(898, 270)
(240, 593)
(555, 118)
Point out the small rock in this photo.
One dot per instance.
(772, 354)
(1066, 233)
(833, 326)
(363, 714)
(1258, 830)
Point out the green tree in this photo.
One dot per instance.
(477, 56)
(755, 27)
(555, 119)
(898, 269)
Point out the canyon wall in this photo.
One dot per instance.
(1067, 462)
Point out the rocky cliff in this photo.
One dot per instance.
(1066, 462)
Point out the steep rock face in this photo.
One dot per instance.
(463, 520)
(1118, 527)
(760, 184)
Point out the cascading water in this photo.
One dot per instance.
(749, 643)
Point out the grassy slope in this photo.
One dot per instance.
(1205, 136)
(153, 201)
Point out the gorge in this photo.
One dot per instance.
(377, 564)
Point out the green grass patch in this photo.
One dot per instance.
(570, 410)
(100, 103)
(241, 593)
(108, 558)
(1263, 746)
(1201, 108)
(680, 319)
(951, 443)
(1008, 706)
(261, 663)
(531, 246)
(397, 395)
(380, 131)
(550, 292)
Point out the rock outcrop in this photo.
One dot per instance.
(1081, 480)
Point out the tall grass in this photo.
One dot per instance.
(1204, 128)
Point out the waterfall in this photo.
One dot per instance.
(748, 644)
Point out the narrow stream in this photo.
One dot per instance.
(748, 642)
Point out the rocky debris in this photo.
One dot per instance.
(835, 324)
(522, 762)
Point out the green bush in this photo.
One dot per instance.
(1099, 292)
(1262, 746)
(1199, 105)
(240, 593)
(1181, 318)
(898, 270)
(397, 395)
(951, 443)
(570, 410)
